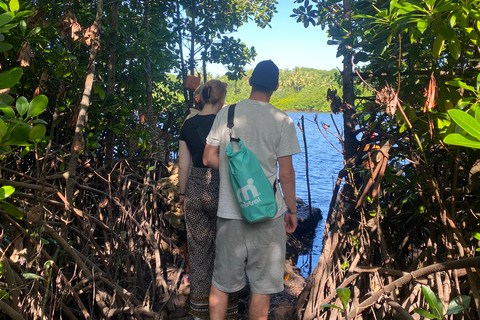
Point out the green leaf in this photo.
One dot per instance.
(8, 111)
(344, 294)
(37, 132)
(6, 18)
(7, 27)
(12, 210)
(21, 105)
(424, 313)
(438, 46)
(4, 46)
(452, 20)
(14, 5)
(460, 84)
(458, 139)
(4, 295)
(476, 235)
(6, 191)
(47, 266)
(6, 99)
(37, 121)
(100, 91)
(458, 304)
(9, 78)
(3, 128)
(407, 7)
(447, 31)
(37, 106)
(330, 306)
(466, 121)
(21, 133)
(422, 25)
(455, 47)
(32, 276)
(436, 306)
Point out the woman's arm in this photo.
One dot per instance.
(184, 159)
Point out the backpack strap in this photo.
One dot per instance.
(231, 115)
(199, 129)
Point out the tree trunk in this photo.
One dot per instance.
(78, 140)
(182, 57)
(110, 134)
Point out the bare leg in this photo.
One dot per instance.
(259, 307)
(218, 302)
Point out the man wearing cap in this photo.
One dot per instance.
(256, 251)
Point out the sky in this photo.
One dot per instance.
(288, 43)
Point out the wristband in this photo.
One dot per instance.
(182, 194)
(288, 211)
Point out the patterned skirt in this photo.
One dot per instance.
(201, 202)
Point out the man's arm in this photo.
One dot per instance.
(287, 181)
(210, 156)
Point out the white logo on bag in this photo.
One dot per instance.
(244, 193)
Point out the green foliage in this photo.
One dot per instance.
(457, 305)
(420, 62)
(300, 89)
(471, 136)
(21, 130)
(344, 295)
(205, 25)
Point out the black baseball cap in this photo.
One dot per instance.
(265, 75)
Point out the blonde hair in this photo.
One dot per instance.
(197, 98)
(213, 91)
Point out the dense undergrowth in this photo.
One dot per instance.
(402, 233)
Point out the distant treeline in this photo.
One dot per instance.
(300, 89)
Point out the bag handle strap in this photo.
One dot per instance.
(199, 130)
(231, 115)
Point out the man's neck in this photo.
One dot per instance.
(260, 96)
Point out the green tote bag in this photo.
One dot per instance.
(254, 193)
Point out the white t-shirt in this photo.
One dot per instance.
(268, 132)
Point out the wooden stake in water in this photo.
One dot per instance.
(306, 169)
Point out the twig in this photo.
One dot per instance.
(316, 122)
(25, 185)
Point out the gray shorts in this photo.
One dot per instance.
(253, 250)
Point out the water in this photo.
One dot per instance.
(324, 163)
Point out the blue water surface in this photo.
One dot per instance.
(324, 163)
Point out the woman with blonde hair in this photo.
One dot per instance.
(199, 198)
